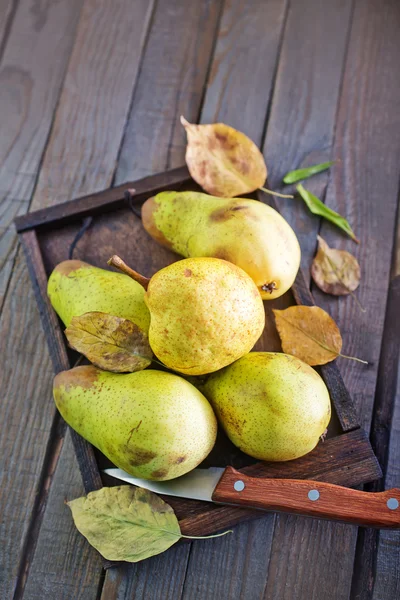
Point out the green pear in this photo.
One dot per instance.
(205, 314)
(271, 405)
(153, 424)
(248, 233)
(75, 287)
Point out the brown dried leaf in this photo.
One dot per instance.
(224, 161)
(336, 272)
(109, 342)
(309, 333)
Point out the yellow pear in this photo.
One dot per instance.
(205, 313)
(153, 424)
(248, 233)
(271, 405)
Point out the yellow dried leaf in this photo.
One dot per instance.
(224, 161)
(309, 333)
(336, 272)
(109, 342)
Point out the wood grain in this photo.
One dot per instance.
(171, 82)
(367, 567)
(81, 154)
(31, 73)
(7, 12)
(300, 128)
(28, 96)
(359, 144)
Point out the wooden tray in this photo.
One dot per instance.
(346, 456)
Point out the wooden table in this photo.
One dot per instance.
(90, 96)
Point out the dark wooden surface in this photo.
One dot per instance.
(91, 93)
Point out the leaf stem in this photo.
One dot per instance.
(360, 306)
(275, 193)
(364, 362)
(206, 537)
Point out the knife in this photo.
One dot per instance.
(303, 497)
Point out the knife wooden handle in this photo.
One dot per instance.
(310, 498)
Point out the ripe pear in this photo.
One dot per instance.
(75, 287)
(153, 424)
(248, 233)
(271, 405)
(205, 313)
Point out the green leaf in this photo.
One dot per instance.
(294, 176)
(125, 522)
(318, 208)
(128, 523)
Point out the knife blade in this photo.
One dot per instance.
(298, 496)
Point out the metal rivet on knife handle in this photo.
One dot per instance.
(239, 485)
(313, 495)
(392, 503)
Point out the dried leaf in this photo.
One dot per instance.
(109, 342)
(335, 271)
(318, 208)
(309, 333)
(126, 523)
(224, 161)
(299, 174)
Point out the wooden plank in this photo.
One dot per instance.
(74, 572)
(171, 82)
(387, 573)
(106, 200)
(300, 127)
(106, 56)
(375, 562)
(28, 96)
(7, 11)
(31, 72)
(370, 205)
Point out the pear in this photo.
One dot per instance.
(153, 424)
(205, 313)
(75, 287)
(271, 405)
(248, 233)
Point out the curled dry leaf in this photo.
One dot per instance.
(309, 333)
(126, 523)
(224, 161)
(336, 272)
(109, 342)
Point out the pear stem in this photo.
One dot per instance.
(118, 263)
(276, 193)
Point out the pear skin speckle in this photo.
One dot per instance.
(271, 405)
(152, 424)
(205, 314)
(250, 234)
(75, 287)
